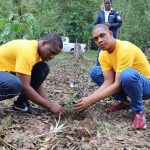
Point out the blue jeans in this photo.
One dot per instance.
(38, 75)
(10, 85)
(97, 61)
(134, 85)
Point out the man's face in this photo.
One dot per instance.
(48, 51)
(107, 4)
(102, 38)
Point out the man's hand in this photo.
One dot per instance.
(57, 109)
(82, 104)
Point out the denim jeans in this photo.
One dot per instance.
(38, 75)
(10, 85)
(134, 85)
(97, 61)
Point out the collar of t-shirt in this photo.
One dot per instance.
(107, 14)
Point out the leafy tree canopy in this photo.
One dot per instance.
(33, 18)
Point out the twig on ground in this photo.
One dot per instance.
(2, 141)
(143, 136)
(53, 147)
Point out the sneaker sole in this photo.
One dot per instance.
(145, 126)
(20, 109)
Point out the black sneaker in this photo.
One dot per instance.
(22, 107)
(25, 108)
(35, 111)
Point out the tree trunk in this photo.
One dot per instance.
(77, 50)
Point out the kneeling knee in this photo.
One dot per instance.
(16, 86)
(95, 72)
(92, 74)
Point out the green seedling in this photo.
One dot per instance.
(73, 99)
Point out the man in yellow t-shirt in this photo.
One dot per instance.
(23, 70)
(124, 72)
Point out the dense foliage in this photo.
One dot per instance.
(33, 18)
(136, 21)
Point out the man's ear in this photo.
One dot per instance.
(110, 32)
(44, 42)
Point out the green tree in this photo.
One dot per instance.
(33, 18)
(136, 20)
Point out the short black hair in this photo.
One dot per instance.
(53, 38)
(110, 1)
(105, 27)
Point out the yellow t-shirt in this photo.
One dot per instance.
(19, 56)
(125, 55)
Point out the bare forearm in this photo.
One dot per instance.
(42, 92)
(102, 94)
(36, 98)
(108, 88)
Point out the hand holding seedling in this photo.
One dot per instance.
(81, 104)
(73, 100)
(57, 109)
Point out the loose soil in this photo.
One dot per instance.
(92, 129)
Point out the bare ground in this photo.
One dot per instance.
(92, 129)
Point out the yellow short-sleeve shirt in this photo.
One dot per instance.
(125, 55)
(19, 56)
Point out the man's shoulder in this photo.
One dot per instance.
(101, 11)
(21, 42)
(114, 11)
(125, 42)
(128, 46)
(103, 53)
